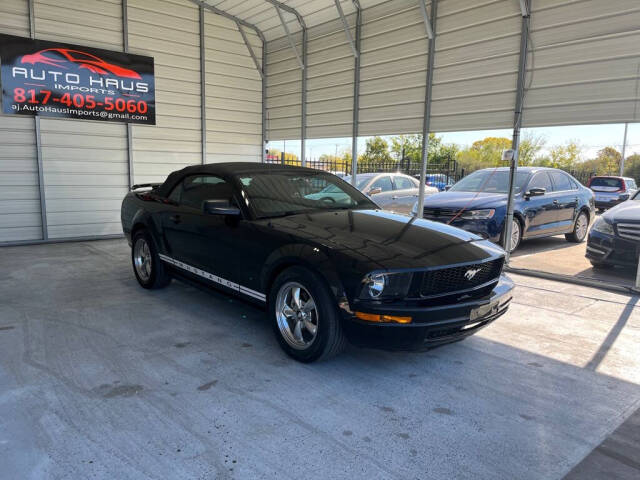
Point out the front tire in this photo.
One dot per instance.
(516, 235)
(580, 229)
(149, 269)
(304, 316)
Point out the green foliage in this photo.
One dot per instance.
(632, 166)
(377, 151)
(609, 161)
(565, 156)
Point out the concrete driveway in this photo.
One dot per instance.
(102, 379)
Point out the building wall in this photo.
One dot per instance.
(85, 164)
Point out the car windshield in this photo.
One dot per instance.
(490, 181)
(362, 181)
(606, 182)
(281, 193)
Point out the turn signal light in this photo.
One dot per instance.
(371, 317)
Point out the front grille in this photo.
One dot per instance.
(440, 214)
(629, 230)
(447, 281)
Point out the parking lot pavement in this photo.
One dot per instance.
(102, 379)
(556, 255)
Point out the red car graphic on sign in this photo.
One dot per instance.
(58, 57)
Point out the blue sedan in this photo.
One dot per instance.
(548, 202)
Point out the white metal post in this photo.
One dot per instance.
(624, 149)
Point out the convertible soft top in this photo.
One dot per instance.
(225, 170)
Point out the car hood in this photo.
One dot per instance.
(373, 239)
(626, 211)
(466, 200)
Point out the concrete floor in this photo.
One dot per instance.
(102, 379)
(556, 255)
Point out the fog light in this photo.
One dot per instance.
(372, 317)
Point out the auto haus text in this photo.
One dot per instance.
(72, 81)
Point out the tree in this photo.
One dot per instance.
(567, 157)
(377, 151)
(530, 148)
(609, 160)
(438, 152)
(483, 153)
(632, 166)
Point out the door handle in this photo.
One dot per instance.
(175, 218)
(555, 202)
(395, 197)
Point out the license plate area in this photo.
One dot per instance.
(487, 310)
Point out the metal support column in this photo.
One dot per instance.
(426, 124)
(624, 149)
(203, 87)
(517, 122)
(43, 198)
(265, 140)
(356, 95)
(303, 118)
(125, 44)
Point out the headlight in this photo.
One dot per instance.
(478, 214)
(602, 226)
(379, 286)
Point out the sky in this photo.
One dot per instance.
(591, 137)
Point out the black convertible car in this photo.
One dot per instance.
(327, 271)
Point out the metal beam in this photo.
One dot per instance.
(265, 140)
(251, 52)
(624, 149)
(222, 13)
(356, 96)
(426, 123)
(125, 45)
(347, 30)
(303, 119)
(292, 44)
(517, 123)
(203, 86)
(425, 17)
(43, 198)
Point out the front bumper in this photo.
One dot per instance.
(612, 250)
(488, 229)
(431, 326)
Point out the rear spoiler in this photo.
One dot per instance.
(141, 186)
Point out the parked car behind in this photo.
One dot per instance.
(548, 202)
(438, 180)
(391, 191)
(611, 191)
(615, 236)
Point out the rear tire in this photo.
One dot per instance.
(149, 269)
(580, 229)
(308, 329)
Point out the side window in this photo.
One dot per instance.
(561, 182)
(403, 183)
(198, 188)
(540, 180)
(383, 183)
(176, 194)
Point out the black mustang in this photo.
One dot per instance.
(328, 270)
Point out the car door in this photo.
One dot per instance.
(404, 195)
(201, 240)
(565, 199)
(385, 196)
(540, 211)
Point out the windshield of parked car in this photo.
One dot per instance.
(606, 183)
(281, 193)
(361, 181)
(490, 181)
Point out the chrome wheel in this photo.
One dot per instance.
(515, 235)
(142, 259)
(582, 226)
(297, 315)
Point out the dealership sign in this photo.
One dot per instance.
(61, 80)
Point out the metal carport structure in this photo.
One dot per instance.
(233, 75)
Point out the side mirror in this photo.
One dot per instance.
(375, 191)
(220, 207)
(536, 192)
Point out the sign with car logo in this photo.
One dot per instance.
(470, 274)
(60, 80)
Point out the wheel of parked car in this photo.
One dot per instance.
(516, 234)
(150, 271)
(580, 229)
(305, 316)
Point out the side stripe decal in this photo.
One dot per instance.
(214, 278)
